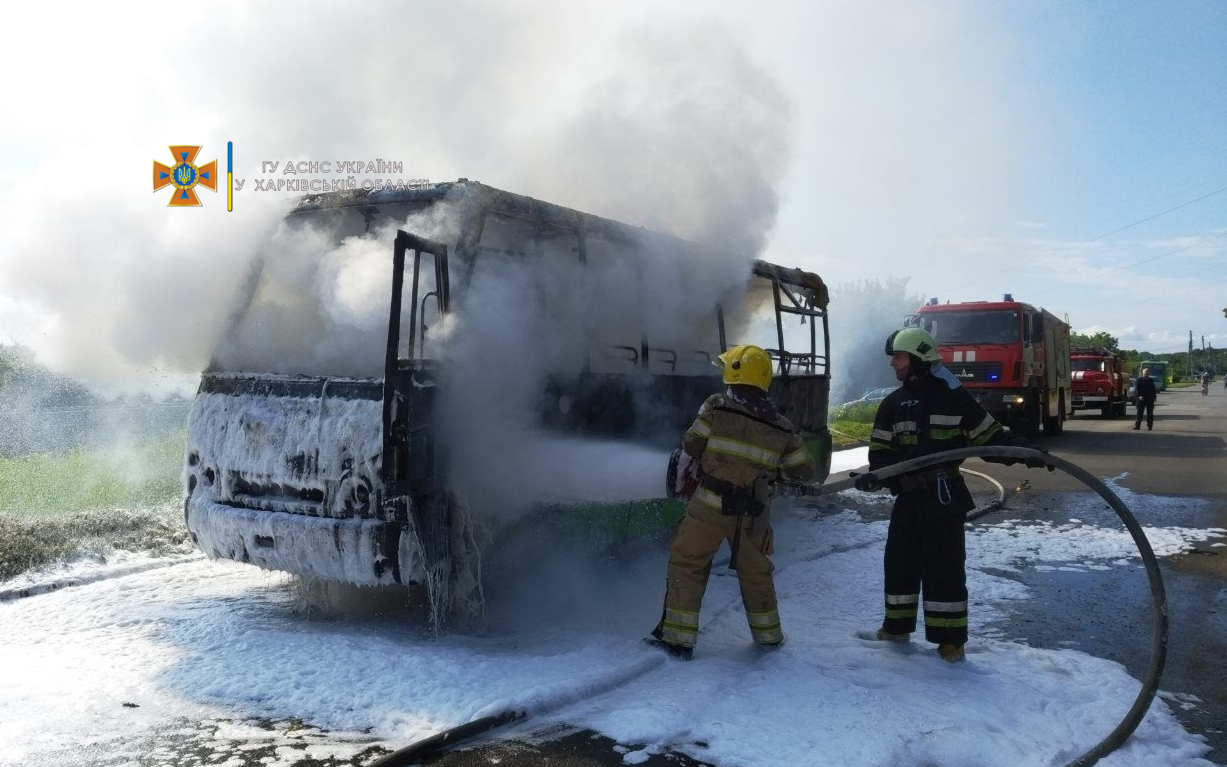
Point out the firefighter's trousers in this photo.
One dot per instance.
(926, 551)
(691, 551)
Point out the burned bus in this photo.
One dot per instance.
(400, 364)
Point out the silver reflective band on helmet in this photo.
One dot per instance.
(915, 342)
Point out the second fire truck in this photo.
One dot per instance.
(1100, 382)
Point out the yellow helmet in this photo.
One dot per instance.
(746, 364)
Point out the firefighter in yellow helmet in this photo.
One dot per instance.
(739, 444)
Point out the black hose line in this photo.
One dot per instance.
(584, 690)
(434, 744)
(1158, 646)
(416, 752)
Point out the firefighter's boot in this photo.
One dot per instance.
(951, 653)
(885, 636)
(679, 651)
(768, 647)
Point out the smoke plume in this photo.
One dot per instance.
(671, 127)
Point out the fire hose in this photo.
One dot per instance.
(839, 485)
(434, 744)
(1158, 646)
(995, 505)
(582, 690)
(416, 752)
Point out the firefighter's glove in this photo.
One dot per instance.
(1017, 440)
(1036, 463)
(867, 483)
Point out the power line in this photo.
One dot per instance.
(1199, 243)
(1157, 215)
(1030, 264)
(1129, 226)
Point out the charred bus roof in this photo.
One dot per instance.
(475, 198)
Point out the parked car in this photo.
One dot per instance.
(873, 396)
(1133, 390)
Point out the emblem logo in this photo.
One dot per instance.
(185, 175)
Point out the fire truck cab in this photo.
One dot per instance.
(1012, 357)
(1099, 382)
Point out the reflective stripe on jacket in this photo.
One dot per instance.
(926, 416)
(739, 435)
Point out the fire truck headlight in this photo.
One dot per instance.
(1016, 400)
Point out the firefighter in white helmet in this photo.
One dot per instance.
(740, 444)
(925, 551)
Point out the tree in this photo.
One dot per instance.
(1099, 340)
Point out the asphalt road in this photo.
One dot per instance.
(1103, 613)
(1106, 613)
(1186, 454)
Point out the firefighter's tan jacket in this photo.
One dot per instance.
(739, 435)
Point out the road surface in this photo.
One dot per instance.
(1185, 456)
(1103, 613)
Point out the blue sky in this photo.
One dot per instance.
(1071, 154)
(1110, 204)
(1146, 166)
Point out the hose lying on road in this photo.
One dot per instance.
(434, 744)
(995, 505)
(582, 689)
(1158, 647)
(416, 752)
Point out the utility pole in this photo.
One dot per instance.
(1190, 354)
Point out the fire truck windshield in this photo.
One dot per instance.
(972, 327)
(1089, 364)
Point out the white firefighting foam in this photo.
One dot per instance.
(256, 435)
(205, 649)
(339, 440)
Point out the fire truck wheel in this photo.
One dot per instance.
(1028, 421)
(1056, 424)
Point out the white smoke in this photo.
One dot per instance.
(316, 302)
(670, 126)
(867, 312)
(684, 133)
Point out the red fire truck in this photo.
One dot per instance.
(1099, 382)
(1012, 357)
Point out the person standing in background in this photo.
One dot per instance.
(1148, 392)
